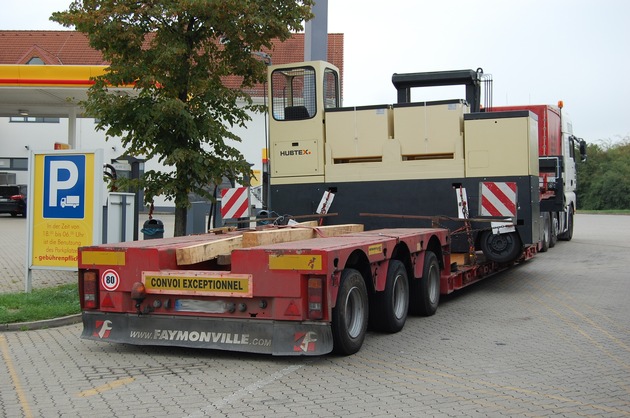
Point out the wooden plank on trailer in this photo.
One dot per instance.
(207, 250)
(213, 248)
(277, 236)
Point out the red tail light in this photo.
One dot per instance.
(315, 298)
(17, 197)
(90, 290)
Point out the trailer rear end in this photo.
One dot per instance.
(306, 297)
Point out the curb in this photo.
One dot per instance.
(46, 323)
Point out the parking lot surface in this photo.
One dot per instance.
(548, 338)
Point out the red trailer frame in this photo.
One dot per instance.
(275, 299)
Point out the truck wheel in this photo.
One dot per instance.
(350, 315)
(390, 306)
(546, 238)
(553, 239)
(425, 292)
(501, 248)
(568, 234)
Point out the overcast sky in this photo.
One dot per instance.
(538, 51)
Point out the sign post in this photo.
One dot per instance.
(64, 208)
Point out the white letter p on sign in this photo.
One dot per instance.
(55, 184)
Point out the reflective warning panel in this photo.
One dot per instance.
(295, 262)
(498, 199)
(235, 203)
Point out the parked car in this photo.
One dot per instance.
(13, 199)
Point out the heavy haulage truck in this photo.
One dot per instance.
(556, 164)
(308, 289)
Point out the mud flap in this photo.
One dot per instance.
(283, 338)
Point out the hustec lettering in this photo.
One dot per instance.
(292, 153)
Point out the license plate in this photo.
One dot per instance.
(205, 306)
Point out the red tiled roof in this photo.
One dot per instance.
(72, 48)
(58, 47)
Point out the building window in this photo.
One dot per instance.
(19, 164)
(30, 119)
(16, 164)
(35, 61)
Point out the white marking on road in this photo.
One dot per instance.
(248, 390)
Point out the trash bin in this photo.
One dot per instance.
(152, 229)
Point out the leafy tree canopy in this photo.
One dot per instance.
(176, 54)
(604, 180)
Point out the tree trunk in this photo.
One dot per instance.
(180, 222)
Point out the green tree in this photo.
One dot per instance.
(177, 54)
(604, 180)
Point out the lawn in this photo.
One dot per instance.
(53, 302)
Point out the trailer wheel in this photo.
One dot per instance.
(501, 248)
(390, 306)
(350, 314)
(546, 238)
(553, 239)
(568, 234)
(425, 292)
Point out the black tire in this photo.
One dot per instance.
(568, 234)
(390, 307)
(554, 230)
(501, 248)
(425, 292)
(546, 230)
(350, 314)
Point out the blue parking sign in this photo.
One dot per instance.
(64, 186)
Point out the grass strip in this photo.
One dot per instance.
(47, 303)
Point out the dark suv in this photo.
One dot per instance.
(13, 199)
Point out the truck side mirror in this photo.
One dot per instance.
(583, 150)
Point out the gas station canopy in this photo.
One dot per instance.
(45, 90)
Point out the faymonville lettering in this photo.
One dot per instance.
(201, 336)
(292, 153)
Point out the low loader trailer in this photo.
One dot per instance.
(453, 193)
(298, 290)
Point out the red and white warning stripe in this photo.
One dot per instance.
(235, 203)
(498, 199)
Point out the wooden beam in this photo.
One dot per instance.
(207, 250)
(215, 247)
(277, 236)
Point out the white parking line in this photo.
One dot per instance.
(248, 390)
